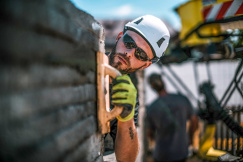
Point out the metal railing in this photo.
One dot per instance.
(226, 139)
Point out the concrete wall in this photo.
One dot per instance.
(48, 82)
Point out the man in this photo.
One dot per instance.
(142, 43)
(166, 120)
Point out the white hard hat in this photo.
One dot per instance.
(153, 31)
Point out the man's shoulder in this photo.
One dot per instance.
(176, 95)
(155, 104)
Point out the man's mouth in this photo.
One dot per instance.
(122, 60)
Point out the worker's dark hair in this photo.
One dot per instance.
(156, 82)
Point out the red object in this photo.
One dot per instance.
(222, 10)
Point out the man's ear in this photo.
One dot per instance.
(119, 36)
(147, 64)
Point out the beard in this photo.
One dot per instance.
(118, 64)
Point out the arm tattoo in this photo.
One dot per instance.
(131, 132)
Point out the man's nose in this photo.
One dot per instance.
(130, 52)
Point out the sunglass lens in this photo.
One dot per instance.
(141, 55)
(129, 42)
(129, 45)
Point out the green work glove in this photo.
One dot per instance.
(124, 94)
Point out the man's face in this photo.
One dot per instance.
(124, 59)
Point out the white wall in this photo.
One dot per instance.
(222, 73)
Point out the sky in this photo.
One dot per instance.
(131, 9)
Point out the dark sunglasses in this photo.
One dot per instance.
(139, 53)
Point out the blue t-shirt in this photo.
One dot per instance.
(167, 116)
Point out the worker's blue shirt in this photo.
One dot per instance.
(167, 117)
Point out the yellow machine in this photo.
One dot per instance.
(206, 22)
(215, 112)
(206, 150)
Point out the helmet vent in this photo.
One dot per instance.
(160, 41)
(138, 21)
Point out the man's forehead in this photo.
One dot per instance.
(134, 35)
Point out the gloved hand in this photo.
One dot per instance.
(124, 94)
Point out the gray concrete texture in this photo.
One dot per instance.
(48, 82)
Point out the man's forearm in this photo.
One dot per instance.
(127, 144)
(193, 127)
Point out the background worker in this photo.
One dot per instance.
(142, 43)
(166, 120)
